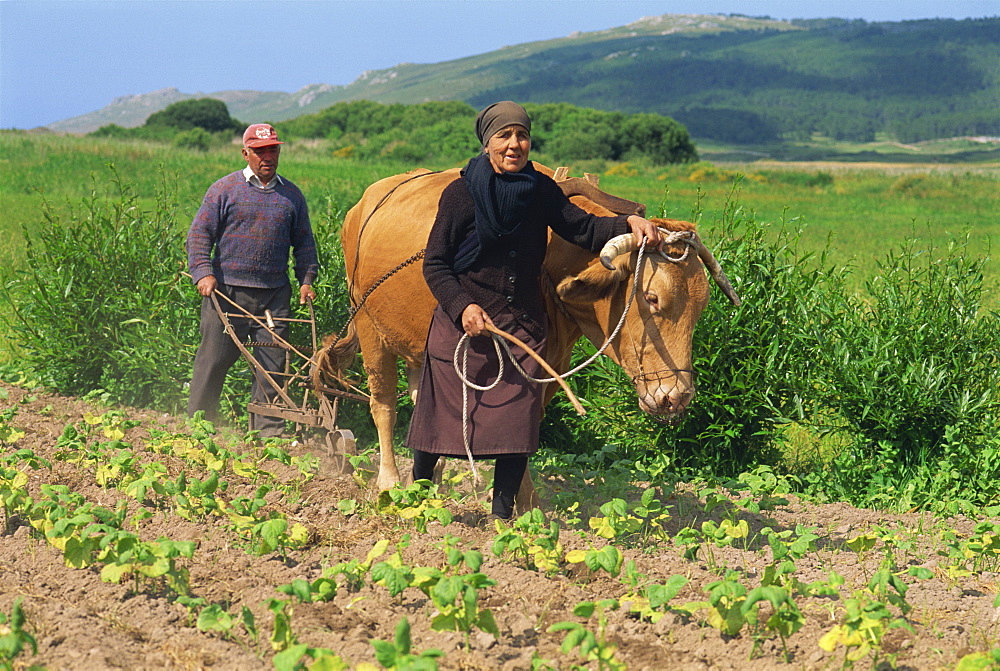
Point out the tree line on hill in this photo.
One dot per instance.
(430, 131)
(847, 80)
(196, 124)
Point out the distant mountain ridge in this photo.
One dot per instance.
(733, 78)
(393, 84)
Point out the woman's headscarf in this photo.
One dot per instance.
(502, 199)
(497, 117)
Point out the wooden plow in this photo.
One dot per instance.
(296, 397)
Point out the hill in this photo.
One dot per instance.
(728, 78)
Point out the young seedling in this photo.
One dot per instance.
(397, 656)
(8, 434)
(651, 602)
(353, 572)
(13, 636)
(865, 624)
(457, 600)
(725, 605)
(690, 539)
(785, 619)
(592, 648)
(392, 573)
(282, 637)
(319, 590)
(530, 540)
(626, 523)
(323, 659)
(418, 502)
(609, 558)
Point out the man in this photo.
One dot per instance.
(238, 245)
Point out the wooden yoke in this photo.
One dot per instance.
(587, 186)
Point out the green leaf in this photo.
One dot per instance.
(288, 659)
(298, 588)
(393, 579)
(114, 572)
(249, 623)
(161, 566)
(403, 641)
(385, 653)
(445, 622)
(776, 596)
(487, 623)
(610, 559)
(324, 589)
(473, 559)
(446, 590)
(660, 595)
(574, 638)
(214, 618)
(920, 572)
(78, 552)
(269, 534)
(377, 551)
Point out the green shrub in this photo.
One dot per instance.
(101, 304)
(914, 185)
(196, 138)
(914, 370)
(208, 114)
(443, 131)
(756, 364)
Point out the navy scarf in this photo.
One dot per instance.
(502, 201)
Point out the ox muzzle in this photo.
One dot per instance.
(665, 394)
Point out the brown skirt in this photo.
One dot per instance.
(502, 421)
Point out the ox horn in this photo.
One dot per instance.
(625, 243)
(715, 270)
(615, 247)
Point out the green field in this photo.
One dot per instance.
(862, 209)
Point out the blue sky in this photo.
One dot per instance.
(62, 58)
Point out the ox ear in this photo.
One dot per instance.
(594, 283)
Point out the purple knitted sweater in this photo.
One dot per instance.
(242, 234)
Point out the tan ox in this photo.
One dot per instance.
(384, 234)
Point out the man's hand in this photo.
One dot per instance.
(642, 227)
(206, 285)
(306, 294)
(475, 319)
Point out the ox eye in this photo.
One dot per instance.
(653, 301)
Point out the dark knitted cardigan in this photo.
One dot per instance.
(504, 280)
(242, 234)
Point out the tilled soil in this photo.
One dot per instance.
(80, 621)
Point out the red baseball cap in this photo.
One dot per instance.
(260, 135)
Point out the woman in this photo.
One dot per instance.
(482, 263)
